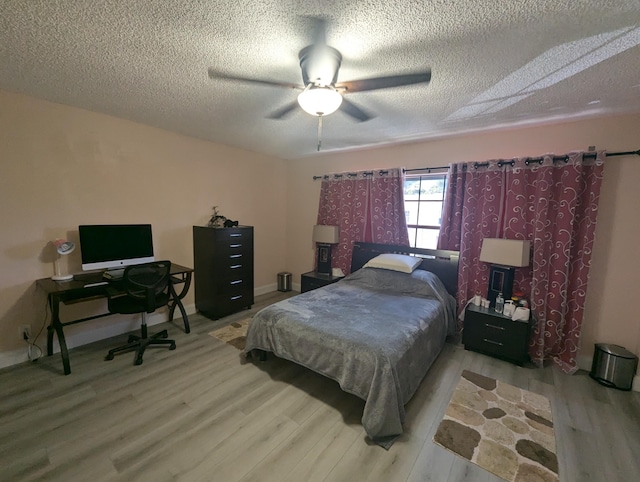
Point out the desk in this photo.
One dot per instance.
(75, 291)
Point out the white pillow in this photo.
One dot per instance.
(395, 262)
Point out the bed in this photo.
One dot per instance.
(376, 332)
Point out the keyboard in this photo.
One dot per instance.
(89, 277)
(113, 274)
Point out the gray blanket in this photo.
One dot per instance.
(376, 332)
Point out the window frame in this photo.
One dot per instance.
(421, 202)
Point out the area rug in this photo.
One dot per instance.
(503, 429)
(234, 334)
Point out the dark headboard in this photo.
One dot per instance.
(441, 262)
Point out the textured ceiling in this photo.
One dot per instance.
(495, 63)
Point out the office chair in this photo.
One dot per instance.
(146, 288)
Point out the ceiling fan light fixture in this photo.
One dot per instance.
(320, 100)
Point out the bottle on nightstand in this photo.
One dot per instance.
(499, 303)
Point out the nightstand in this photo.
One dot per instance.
(494, 334)
(312, 280)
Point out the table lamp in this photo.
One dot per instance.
(504, 255)
(63, 247)
(325, 236)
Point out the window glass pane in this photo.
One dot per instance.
(427, 238)
(424, 196)
(411, 189)
(411, 212)
(412, 237)
(430, 213)
(432, 189)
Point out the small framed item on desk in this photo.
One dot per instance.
(492, 333)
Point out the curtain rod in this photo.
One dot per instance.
(530, 160)
(483, 164)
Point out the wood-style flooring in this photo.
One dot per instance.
(201, 412)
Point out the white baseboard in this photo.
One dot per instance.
(126, 325)
(91, 335)
(584, 362)
(263, 290)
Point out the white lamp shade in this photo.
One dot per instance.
(319, 100)
(505, 252)
(63, 246)
(326, 234)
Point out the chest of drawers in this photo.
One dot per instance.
(313, 280)
(223, 263)
(494, 334)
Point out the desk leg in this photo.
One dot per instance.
(54, 314)
(54, 304)
(175, 301)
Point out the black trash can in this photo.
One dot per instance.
(284, 281)
(613, 366)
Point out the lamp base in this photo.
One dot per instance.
(500, 281)
(62, 277)
(324, 258)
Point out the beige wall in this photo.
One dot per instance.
(61, 167)
(615, 277)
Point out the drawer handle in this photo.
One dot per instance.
(235, 266)
(239, 245)
(494, 326)
(492, 342)
(233, 298)
(235, 256)
(236, 282)
(235, 235)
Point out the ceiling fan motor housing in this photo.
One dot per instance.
(319, 64)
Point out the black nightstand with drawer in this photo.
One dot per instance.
(494, 334)
(313, 280)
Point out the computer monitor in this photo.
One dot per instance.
(108, 246)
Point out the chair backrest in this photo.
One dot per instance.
(146, 281)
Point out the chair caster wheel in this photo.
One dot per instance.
(165, 334)
(138, 360)
(109, 357)
(172, 346)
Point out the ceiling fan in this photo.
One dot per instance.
(322, 94)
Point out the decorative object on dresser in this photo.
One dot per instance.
(217, 220)
(494, 334)
(324, 237)
(504, 255)
(223, 259)
(313, 280)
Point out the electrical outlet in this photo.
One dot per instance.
(25, 332)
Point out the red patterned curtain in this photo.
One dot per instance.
(554, 205)
(368, 206)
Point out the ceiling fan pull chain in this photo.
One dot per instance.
(319, 132)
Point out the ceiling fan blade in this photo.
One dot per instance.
(283, 112)
(214, 74)
(354, 111)
(384, 82)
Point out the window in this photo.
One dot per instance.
(423, 200)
